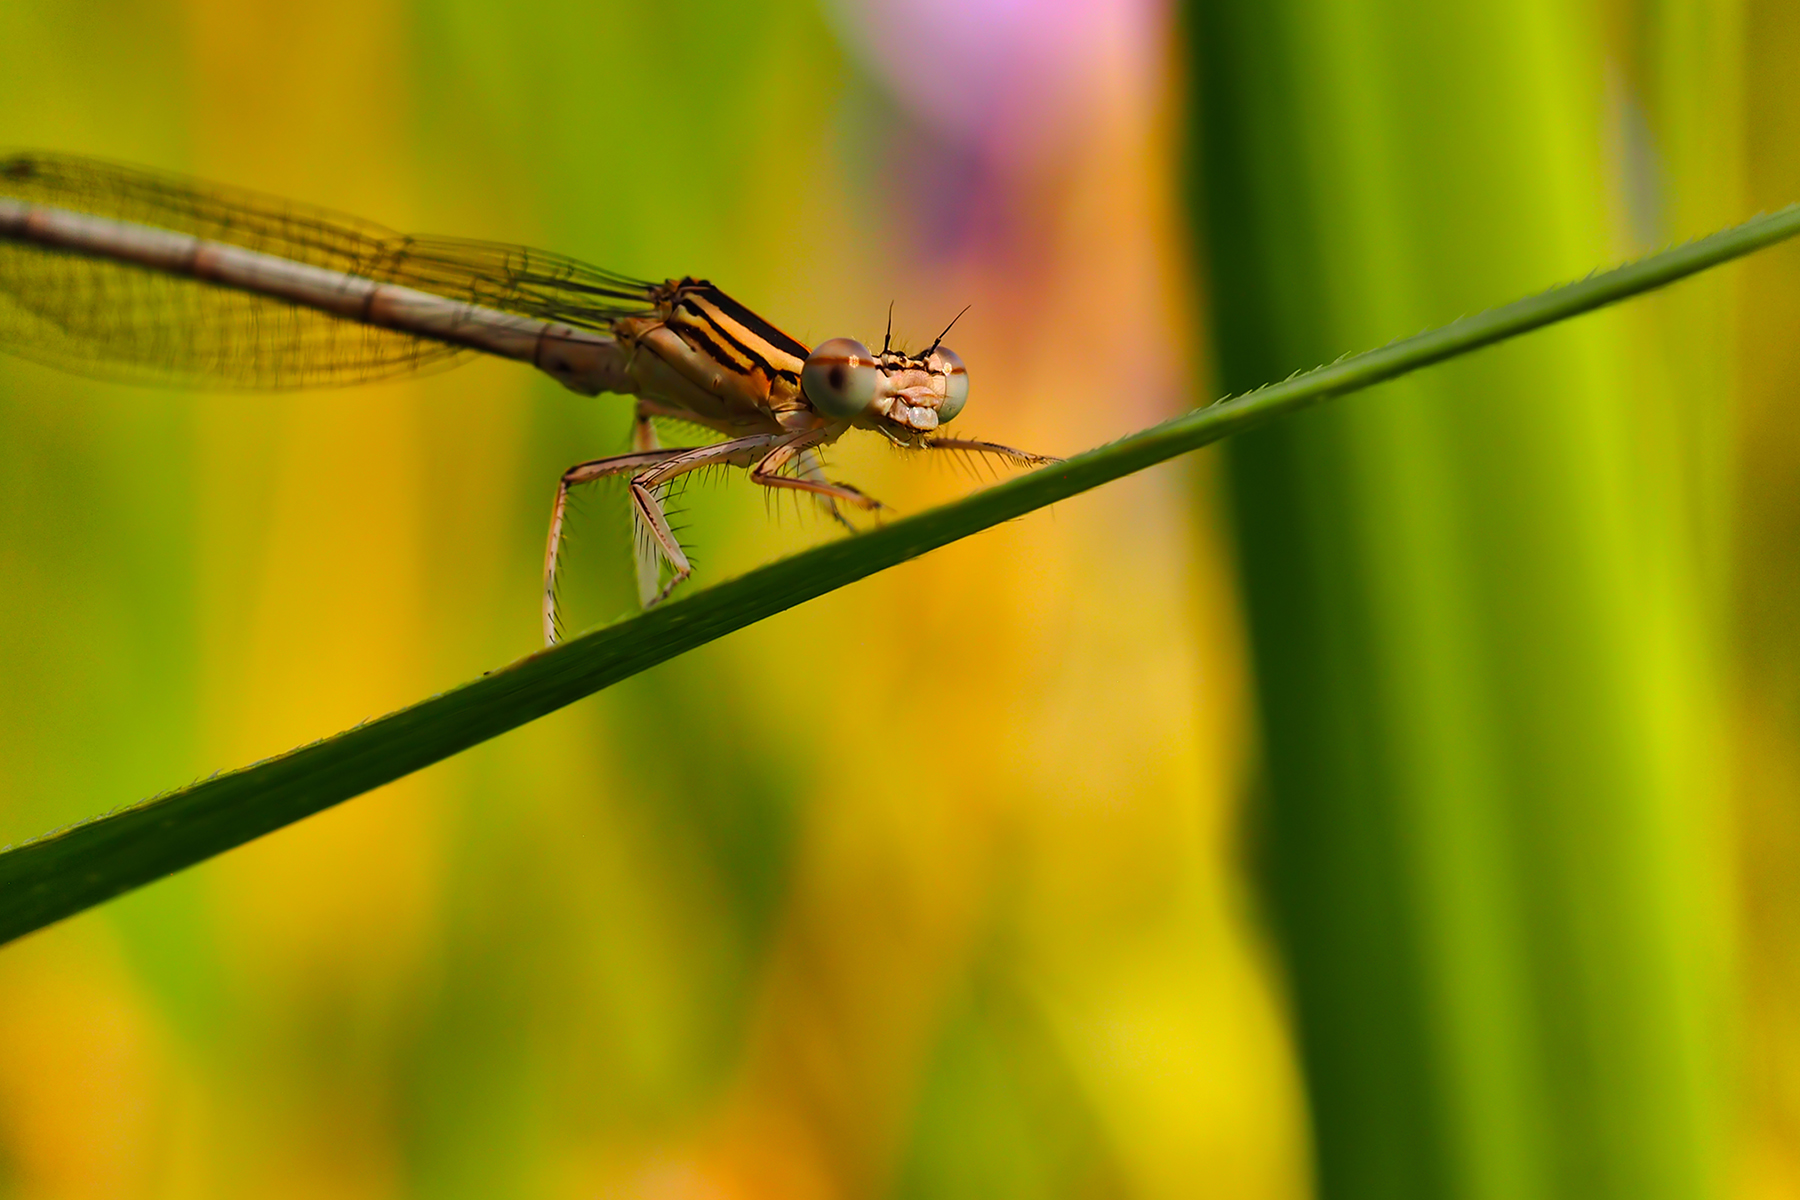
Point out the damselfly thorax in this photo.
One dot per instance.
(125, 273)
(719, 364)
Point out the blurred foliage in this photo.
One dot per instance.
(732, 927)
(1765, 713)
(1485, 602)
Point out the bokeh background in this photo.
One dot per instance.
(1400, 802)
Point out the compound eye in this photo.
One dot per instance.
(839, 378)
(949, 364)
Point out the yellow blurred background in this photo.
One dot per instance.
(877, 896)
(932, 887)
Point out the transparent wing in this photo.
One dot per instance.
(120, 321)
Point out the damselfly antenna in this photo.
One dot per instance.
(887, 339)
(947, 329)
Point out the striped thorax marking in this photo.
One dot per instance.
(736, 354)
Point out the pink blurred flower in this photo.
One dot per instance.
(1013, 78)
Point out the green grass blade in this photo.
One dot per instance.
(1484, 609)
(72, 869)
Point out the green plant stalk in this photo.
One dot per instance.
(75, 868)
(1485, 653)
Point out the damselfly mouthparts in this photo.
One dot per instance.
(130, 274)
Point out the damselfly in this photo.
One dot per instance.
(130, 274)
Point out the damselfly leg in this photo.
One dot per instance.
(766, 472)
(809, 465)
(651, 470)
(1018, 458)
(575, 476)
(646, 562)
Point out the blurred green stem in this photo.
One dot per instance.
(1479, 602)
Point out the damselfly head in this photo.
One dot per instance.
(948, 365)
(902, 394)
(840, 379)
